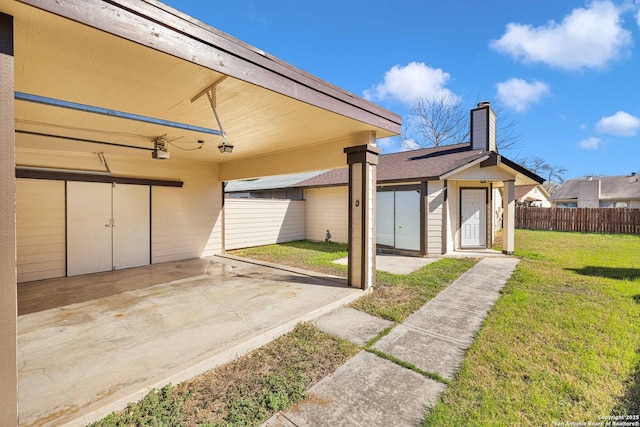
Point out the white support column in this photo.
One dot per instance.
(362, 161)
(508, 218)
(8, 277)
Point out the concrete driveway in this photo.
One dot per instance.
(79, 362)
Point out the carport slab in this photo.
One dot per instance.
(365, 391)
(79, 362)
(351, 324)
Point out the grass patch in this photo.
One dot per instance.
(158, 408)
(563, 342)
(408, 365)
(315, 256)
(246, 391)
(396, 297)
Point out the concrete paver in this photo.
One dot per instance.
(396, 264)
(436, 336)
(371, 391)
(365, 391)
(428, 351)
(446, 320)
(351, 324)
(470, 299)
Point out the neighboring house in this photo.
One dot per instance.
(599, 192)
(96, 98)
(534, 196)
(429, 201)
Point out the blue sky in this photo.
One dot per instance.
(567, 72)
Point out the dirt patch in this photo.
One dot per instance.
(292, 363)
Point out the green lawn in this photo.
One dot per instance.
(562, 344)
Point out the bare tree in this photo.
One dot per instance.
(553, 174)
(440, 120)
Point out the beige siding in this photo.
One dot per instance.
(187, 222)
(40, 218)
(327, 209)
(257, 222)
(435, 218)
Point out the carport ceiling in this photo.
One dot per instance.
(61, 59)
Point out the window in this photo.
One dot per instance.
(613, 204)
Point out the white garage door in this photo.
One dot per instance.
(107, 227)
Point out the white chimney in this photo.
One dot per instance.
(483, 128)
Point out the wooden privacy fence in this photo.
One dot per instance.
(588, 220)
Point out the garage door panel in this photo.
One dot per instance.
(131, 226)
(89, 228)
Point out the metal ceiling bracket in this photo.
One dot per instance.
(210, 91)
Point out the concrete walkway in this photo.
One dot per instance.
(372, 391)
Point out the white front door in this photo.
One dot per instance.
(473, 218)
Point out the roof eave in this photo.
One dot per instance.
(169, 31)
(458, 169)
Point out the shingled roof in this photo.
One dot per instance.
(415, 165)
(406, 165)
(611, 188)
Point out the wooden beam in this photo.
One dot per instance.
(91, 177)
(313, 157)
(8, 278)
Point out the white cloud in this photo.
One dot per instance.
(410, 83)
(519, 94)
(592, 143)
(586, 38)
(620, 124)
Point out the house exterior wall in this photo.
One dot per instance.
(537, 194)
(589, 194)
(435, 218)
(327, 209)
(256, 222)
(186, 222)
